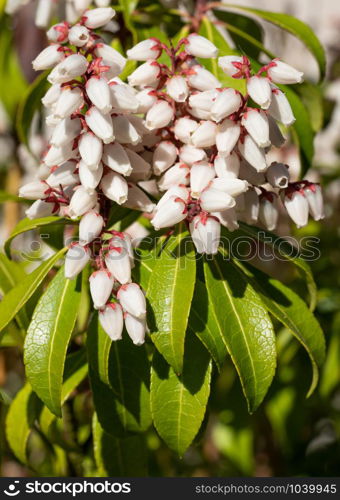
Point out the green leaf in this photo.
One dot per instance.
(292, 312)
(331, 372)
(21, 416)
(118, 457)
(312, 97)
(296, 28)
(127, 7)
(4, 196)
(178, 403)
(284, 250)
(245, 325)
(17, 297)
(29, 104)
(119, 375)
(48, 337)
(170, 292)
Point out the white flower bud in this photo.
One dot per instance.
(251, 207)
(43, 13)
(268, 211)
(164, 157)
(177, 88)
(201, 174)
(71, 67)
(115, 187)
(132, 300)
(116, 158)
(201, 114)
(52, 95)
(144, 51)
(141, 169)
(256, 123)
(213, 200)
(203, 100)
(172, 211)
(234, 187)
(123, 98)
(58, 33)
(297, 207)
(280, 108)
(275, 134)
(90, 227)
(226, 63)
(280, 72)
(313, 194)
(111, 320)
(252, 153)
(136, 328)
(184, 128)
(278, 175)
(201, 79)
(198, 46)
(33, 190)
(89, 178)
(146, 74)
(227, 166)
(48, 58)
(178, 174)
(57, 155)
(124, 131)
(96, 18)
(78, 35)
(69, 101)
(248, 173)
(174, 192)
(39, 208)
(82, 201)
(146, 99)
(258, 87)
(227, 135)
(76, 259)
(63, 175)
(138, 200)
(205, 135)
(189, 154)
(90, 149)
(99, 93)
(66, 131)
(101, 284)
(228, 219)
(205, 233)
(110, 57)
(159, 115)
(227, 102)
(117, 261)
(101, 125)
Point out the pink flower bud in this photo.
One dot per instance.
(227, 166)
(226, 63)
(159, 115)
(268, 211)
(138, 200)
(201, 174)
(78, 35)
(256, 123)
(52, 95)
(118, 263)
(76, 259)
(144, 51)
(145, 100)
(66, 131)
(99, 93)
(164, 157)
(71, 67)
(297, 207)
(280, 72)
(141, 170)
(89, 178)
(124, 131)
(205, 135)
(233, 187)
(189, 154)
(39, 209)
(201, 79)
(198, 46)
(90, 149)
(82, 201)
(203, 100)
(110, 57)
(313, 194)
(205, 233)
(101, 284)
(251, 207)
(63, 175)
(96, 18)
(90, 227)
(101, 125)
(33, 190)
(132, 300)
(252, 153)
(57, 155)
(280, 108)
(213, 200)
(259, 89)
(115, 187)
(146, 74)
(184, 128)
(169, 213)
(278, 175)
(116, 158)
(228, 219)
(69, 101)
(48, 58)
(111, 320)
(226, 103)
(178, 174)
(123, 98)
(58, 33)
(136, 329)
(177, 88)
(228, 133)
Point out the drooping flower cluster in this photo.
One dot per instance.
(171, 133)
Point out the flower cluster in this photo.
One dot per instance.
(171, 133)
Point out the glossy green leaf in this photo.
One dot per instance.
(245, 325)
(118, 457)
(312, 97)
(48, 337)
(178, 403)
(170, 292)
(21, 416)
(330, 376)
(292, 312)
(17, 297)
(294, 26)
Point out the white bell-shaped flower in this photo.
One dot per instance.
(256, 123)
(184, 127)
(116, 158)
(90, 149)
(78, 35)
(90, 227)
(258, 88)
(278, 175)
(99, 93)
(48, 57)
(189, 155)
(227, 166)
(69, 101)
(177, 88)
(280, 108)
(201, 174)
(76, 259)
(205, 135)
(268, 211)
(100, 124)
(136, 328)
(227, 64)
(280, 72)
(63, 175)
(138, 200)
(89, 178)
(66, 131)
(297, 207)
(227, 102)
(115, 187)
(199, 46)
(111, 320)
(33, 190)
(132, 300)
(159, 115)
(117, 261)
(314, 197)
(81, 202)
(178, 174)
(172, 211)
(205, 232)
(144, 50)
(96, 18)
(146, 74)
(214, 200)
(164, 156)
(252, 153)
(101, 284)
(125, 132)
(227, 135)
(201, 79)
